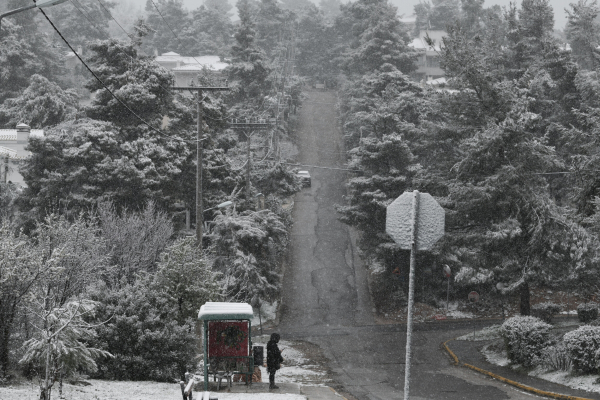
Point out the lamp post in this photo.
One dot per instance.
(39, 4)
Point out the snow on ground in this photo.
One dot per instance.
(259, 396)
(584, 382)
(487, 333)
(459, 314)
(495, 357)
(295, 367)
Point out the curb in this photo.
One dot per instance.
(508, 381)
(336, 393)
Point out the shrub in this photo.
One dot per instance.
(524, 338)
(584, 344)
(142, 334)
(556, 358)
(587, 312)
(545, 311)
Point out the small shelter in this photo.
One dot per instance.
(227, 339)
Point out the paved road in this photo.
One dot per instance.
(325, 298)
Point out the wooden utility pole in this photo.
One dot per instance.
(199, 154)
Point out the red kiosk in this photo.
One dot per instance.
(227, 339)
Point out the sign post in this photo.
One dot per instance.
(448, 273)
(415, 221)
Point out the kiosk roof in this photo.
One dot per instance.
(217, 310)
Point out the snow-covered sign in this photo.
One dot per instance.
(430, 221)
(447, 271)
(473, 297)
(224, 311)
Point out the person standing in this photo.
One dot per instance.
(274, 359)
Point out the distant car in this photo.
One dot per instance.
(305, 177)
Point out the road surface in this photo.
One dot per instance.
(325, 296)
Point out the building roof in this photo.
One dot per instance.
(219, 310)
(436, 35)
(198, 62)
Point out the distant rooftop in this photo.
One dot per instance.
(192, 63)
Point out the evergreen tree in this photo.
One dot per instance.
(583, 33)
(248, 68)
(41, 105)
(378, 38)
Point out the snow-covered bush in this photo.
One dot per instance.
(545, 311)
(584, 347)
(587, 312)
(525, 337)
(556, 358)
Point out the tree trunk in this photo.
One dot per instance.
(525, 307)
(5, 329)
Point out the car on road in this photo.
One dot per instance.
(305, 177)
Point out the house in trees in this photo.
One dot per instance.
(186, 69)
(428, 63)
(12, 151)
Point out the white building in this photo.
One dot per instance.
(186, 69)
(429, 61)
(12, 151)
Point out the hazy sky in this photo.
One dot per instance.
(406, 7)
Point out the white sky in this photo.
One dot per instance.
(406, 7)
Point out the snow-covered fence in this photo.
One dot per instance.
(583, 345)
(525, 337)
(587, 312)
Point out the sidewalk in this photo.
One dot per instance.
(259, 391)
(467, 352)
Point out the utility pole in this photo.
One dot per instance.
(199, 152)
(248, 127)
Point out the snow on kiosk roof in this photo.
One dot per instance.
(224, 311)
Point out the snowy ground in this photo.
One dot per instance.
(297, 368)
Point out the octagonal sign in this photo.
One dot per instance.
(430, 221)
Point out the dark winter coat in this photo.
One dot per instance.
(274, 358)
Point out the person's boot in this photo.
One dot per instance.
(273, 386)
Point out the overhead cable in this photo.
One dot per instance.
(108, 89)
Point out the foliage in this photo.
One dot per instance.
(248, 248)
(556, 358)
(276, 180)
(185, 278)
(583, 345)
(20, 268)
(79, 162)
(59, 345)
(524, 338)
(24, 52)
(545, 311)
(41, 105)
(84, 21)
(583, 33)
(134, 241)
(169, 19)
(147, 342)
(587, 312)
(248, 70)
(376, 37)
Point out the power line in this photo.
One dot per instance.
(106, 87)
(113, 18)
